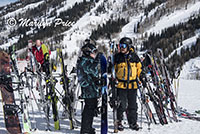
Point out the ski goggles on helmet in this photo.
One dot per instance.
(94, 50)
(123, 45)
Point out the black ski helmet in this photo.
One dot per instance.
(127, 41)
(87, 41)
(88, 48)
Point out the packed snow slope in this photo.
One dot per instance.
(188, 97)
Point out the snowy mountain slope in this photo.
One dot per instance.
(166, 21)
(191, 69)
(128, 30)
(186, 44)
(22, 10)
(44, 19)
(177, 17)
(5, 2)
(10, 42)
(15, 13)
(10, 16)
(68, 4)
(81, 30)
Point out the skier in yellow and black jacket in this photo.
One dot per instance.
(127, 68)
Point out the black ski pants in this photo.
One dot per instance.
(88, 115)
(128, 104)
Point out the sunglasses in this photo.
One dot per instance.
(122, 45)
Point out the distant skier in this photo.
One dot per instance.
(41, 53)
(127, 68)
(88, 77)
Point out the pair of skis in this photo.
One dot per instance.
(169, 91)
(183, 113)
(20, 87)
(10, 108)
(115, 101)
(145, 107)
(163, 90)
(68, 95)
(50, 97)
(102, 69)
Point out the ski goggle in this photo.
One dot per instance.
(123, 45)
(94, 50)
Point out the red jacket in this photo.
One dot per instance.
(38, 54)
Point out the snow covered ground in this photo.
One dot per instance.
(188, 98)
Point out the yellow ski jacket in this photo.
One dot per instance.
(127, 68)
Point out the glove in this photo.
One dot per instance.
(143, 80)
(53, 66)
(114, 102)
(45, 67)
(98, 82)
(38, 65)
(46, 57)
(104, 79)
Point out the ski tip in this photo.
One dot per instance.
(34, 129)
(197, 111)
(26, 133)
(149, 129)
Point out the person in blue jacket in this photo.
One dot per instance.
(88, 73)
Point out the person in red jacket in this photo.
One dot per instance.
(41, 53)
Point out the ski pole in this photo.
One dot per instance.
(141, 97)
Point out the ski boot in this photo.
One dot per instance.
(91, 131)
(134, 127)
(120, 126)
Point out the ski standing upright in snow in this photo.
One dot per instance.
(20, 87)
(114, 99)
(42, 55)
(104, 95)
(10, 108)
(51, 94)
(68, 95)
(167, 84)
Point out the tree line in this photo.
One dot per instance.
(172, 37)
(111, 27)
